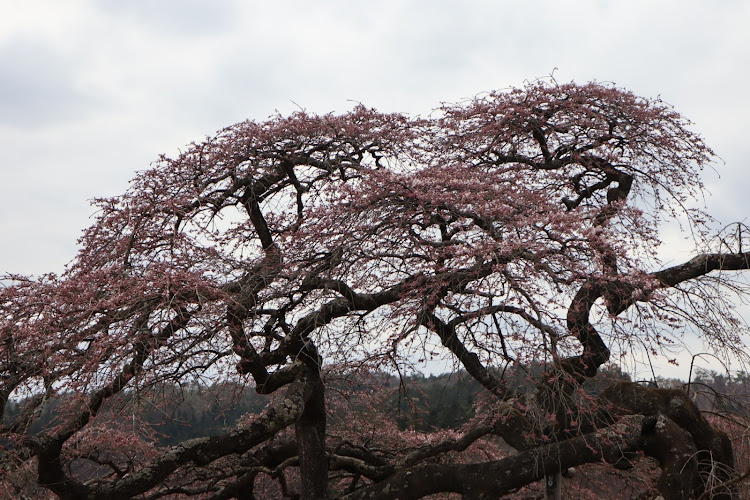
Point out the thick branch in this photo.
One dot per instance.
(49, 448)
(714, 448)
(449, 338)
(595, 351)
(447, 445)
(205, 450)
(702, 265)
(497, 478)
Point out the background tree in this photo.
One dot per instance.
(514, 229)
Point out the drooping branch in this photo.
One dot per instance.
(49, 447)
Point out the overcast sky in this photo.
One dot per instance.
(92, 91)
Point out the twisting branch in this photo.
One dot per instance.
(449, 338)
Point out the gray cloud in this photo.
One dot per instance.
(38, 86)
(182, 18)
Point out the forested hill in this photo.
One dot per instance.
(418, 402)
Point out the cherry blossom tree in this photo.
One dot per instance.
(518, 227)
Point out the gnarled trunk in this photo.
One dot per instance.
(688, 447)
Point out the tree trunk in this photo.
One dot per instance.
(553, 487)
(310, 431)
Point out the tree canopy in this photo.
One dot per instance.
(304, 254)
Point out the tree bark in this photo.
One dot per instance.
(689, 435)
(202, 451)
(310, 431)
(491, 480)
